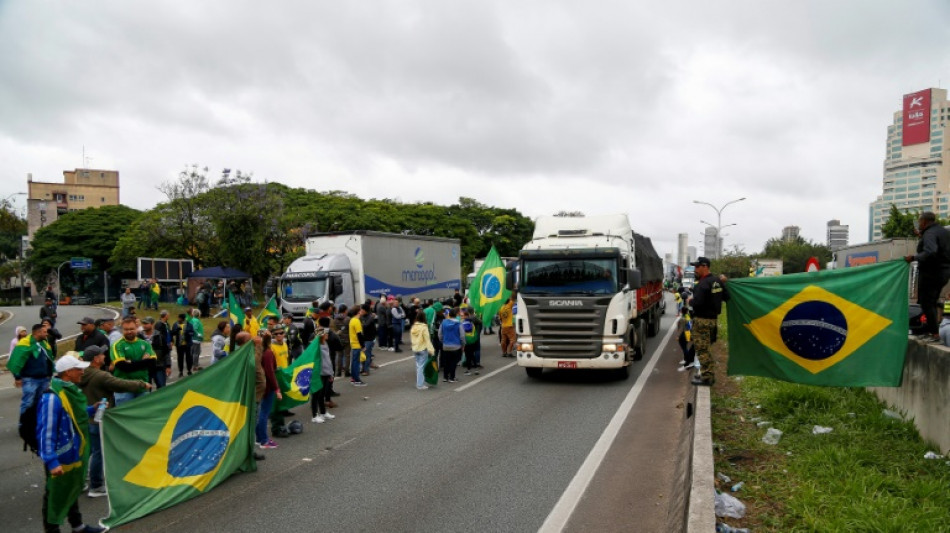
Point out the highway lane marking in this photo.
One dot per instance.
(397, 361)
(115, 315)
(486, 376)
(561, 513)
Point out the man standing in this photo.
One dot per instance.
(97, 384)
(128, 301)
(293, 336)
(933, 266)
(48, 311)
(507, 317)
(132, 358)
(197, 337)
(90, 336)
(708, 295)
(109, 330)
(182, 344)
(383, 320)
(163, 367)
(62, 429)
(355, 329)
(31, 363)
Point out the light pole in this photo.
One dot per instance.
(719, 211)
(59, 286)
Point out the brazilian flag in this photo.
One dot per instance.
(300, 379)
(235, 313)
(181, 441)
(269, 310)
(836, 328)
(488, 292)
(431, 371)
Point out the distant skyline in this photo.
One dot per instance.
(537, 106)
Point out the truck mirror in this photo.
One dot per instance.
(510, 277)
(336, 288)
(633, 278)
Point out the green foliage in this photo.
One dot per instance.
(90, 233)
(899, 224)
(795, 253)
(734, 264)
(12, 227)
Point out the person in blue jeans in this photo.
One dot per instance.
(31, 364)
(369, 340)
(398, 324)
(422, 347)
(357, 342)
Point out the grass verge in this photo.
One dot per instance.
(868, 474)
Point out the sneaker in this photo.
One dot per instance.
(259, 456)
(424, 387)
(453, 381)
(358, 383)
(467, 373)
(374, 365)
(89, 529)
(476, 372)
(269, 445)
(682, 368)
(391, 349)
(683, 362)
(97, 492)
(328, 416)
(318, 419)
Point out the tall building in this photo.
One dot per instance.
(837, 234)
(81, 188)
(691, 254)
(711, 245)
(790, 233)
(915, 178)
(681, 258)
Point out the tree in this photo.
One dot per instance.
(569, 214)
(734, 264)
(795, 253)
(12, 228)
(899, 224)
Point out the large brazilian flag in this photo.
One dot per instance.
(838, 328)
(300, 379)
(180, 441)
(488, 292)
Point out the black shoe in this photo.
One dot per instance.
(334, 394)
(259, 456)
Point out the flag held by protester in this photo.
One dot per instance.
(181, 441)
(844, 327)
(431, 370)
(297, 381)
(269, 310)
(488, 292)
(235, 313)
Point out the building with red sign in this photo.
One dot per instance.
(915, 178)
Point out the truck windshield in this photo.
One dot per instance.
(586, 276)
(303, 290)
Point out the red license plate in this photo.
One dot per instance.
(567, 364)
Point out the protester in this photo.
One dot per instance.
(507, 317)
(456, 299)
(280, 348)
(383, 320)
(684, 332)
(161, 326)
(472, 328)
(355, 330)
(159, 372)
(294, 343)
(48, 311)
(452, 336)
(422, 347)
(341, 324)
(933, 267)
(107, 327)
(219, 341)
(62, 431)
(197, 337)
(369, 340)
(309, 326)
(271, 392)
(708, 295)
(97, 384)
(182, 344)
(20, 333)
(128, 301)
(91, 336)
(132, 358)
(31, 363)
(320, 399)
(398, 324)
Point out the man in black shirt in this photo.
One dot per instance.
(708, 295)
(933, 266)
(91, 336)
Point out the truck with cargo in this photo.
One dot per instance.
(349, 267)
(871, 253)
(589, 295)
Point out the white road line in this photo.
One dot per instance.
(486, 376)
(411, 357)
(565, 506)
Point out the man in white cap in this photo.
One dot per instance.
(62, 429)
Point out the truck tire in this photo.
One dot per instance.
(533, 371)
(639, 341)
(653, 328)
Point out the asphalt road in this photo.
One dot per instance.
(495, 452)
(66, 321)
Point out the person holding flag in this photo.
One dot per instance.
(320, 398)
(270, 310)
(489, 295)
(156, 291)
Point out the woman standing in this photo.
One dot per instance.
(422, 347)
(272, 391)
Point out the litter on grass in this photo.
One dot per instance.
(763, 424)
(724, 478)
(892, 414)
(772, 436)
(728, 505)
(821, 430)
(932, 455)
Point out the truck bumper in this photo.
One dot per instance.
(606, 360)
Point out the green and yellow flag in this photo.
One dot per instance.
(169, 446)
(431, 371)
(836, 328)
(300, 379)
(235, 313)
(488, 293)
(269, 310)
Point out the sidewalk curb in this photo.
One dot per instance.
(701, 514)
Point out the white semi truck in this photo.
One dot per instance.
(348, 267)
(589, 295)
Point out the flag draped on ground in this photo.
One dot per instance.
(270, 310)
(172, 445)
(235, 313)
(297, 380)
(844, 327)
(431, 371)
(488, 292)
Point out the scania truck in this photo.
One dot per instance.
(348, 267)
(589, 295)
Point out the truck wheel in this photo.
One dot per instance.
(654, 326)
(639, 341)
(533, 371)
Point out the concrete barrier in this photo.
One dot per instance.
(701, 516)
(924, 394)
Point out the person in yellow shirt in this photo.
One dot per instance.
(355, 329)
(280, 348)
(507, 317)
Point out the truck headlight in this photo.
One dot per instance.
(526, 347)
(613, 347)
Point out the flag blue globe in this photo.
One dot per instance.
(491, 286)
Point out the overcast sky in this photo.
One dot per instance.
(542, 106)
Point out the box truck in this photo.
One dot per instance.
(349, 267)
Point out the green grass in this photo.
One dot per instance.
(173, 310)
(869, 474)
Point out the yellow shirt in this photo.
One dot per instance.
(507, 318)
(356, 327)
(281, 354)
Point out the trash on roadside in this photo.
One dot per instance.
(724, 478)
(726, 528)
(755, 419)
(763, 424)
(772, 436)
(738, 486)
(850, 415)
(821, 430)
(892, 414)
(728, 505)
(932, 455)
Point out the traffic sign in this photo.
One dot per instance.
(80, 263)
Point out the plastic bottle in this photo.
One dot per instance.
(101, 410)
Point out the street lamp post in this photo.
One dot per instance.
(719, 211)
(59, 286)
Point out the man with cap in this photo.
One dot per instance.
(107, 327)
(132, 358)
(97, 384)
(48, 311)
(31, 363)
(708, 295)
(159, 373)
(91, 336)
(293, 336)
(62, 429)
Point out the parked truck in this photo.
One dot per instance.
(348, 267)
(589, 295)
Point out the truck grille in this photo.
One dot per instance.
(567, 332)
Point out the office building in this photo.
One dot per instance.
(915, 178)
(837, 234)
(80, 189)
(681, 258)
(711, 245)
(790, 233)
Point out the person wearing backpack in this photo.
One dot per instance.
(453, 337)
(31, 364)
(472, 326)
(62, 431)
